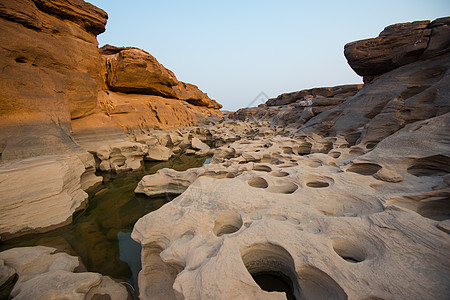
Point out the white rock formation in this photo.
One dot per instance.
(158, 153)
(123, 156)
(356, 223)
(46, 274)
(198, 145)
(56, 193)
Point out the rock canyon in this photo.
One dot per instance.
(326, 193)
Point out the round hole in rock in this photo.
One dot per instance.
(304, 148)
(316, 284)
(371, 145)
(356, 152)
(436, 165)
(288, 165)
(364, 168)
(287, 150)
(283, 188)
(227, 222)
(312, 163)
(279, 173)
(21, 60)
(262, 168)
(258, 182)
(230, 175)
(318, 184)
(272, 268)
(334, 154)
(349, 251)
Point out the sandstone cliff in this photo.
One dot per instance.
(61, 96)
(53, 73)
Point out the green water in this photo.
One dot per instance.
(112, 210)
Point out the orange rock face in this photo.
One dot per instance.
(52, 75)
(134, 71)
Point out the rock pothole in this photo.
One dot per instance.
(317, 182)
(316, 284)
(262, 168)
(279, 173)
(276, 186)
(349, 251)
(436, 165)
(334, 154)
(258, 182)
(273, 269)
(364, 168)
(283, 188)
(227, 222)
(304, 148)
(433, 205)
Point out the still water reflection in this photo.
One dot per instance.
(100, 234)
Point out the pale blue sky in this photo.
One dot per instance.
(233, 50)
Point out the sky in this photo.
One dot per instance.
(236, 50)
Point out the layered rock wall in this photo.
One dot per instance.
(60, 96)
(53, 73)
(50, 73)
(296, 108)
(413, 41)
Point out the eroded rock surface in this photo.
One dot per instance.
(44, 273)
(336, 226)
(351, 202)
(51, 185)
(296, 108)
(62, 99)
(410, 42)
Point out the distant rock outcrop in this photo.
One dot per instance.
(408, 83)
(297, 108)
(412, 42)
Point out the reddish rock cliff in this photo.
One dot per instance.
(53, 77)
(398, 45)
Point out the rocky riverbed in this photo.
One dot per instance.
(326, 193)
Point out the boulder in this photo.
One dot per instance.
(413, 92)
(165, 181)
(158, 153)
(193, 95)
(197, 144)
(136, 71)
